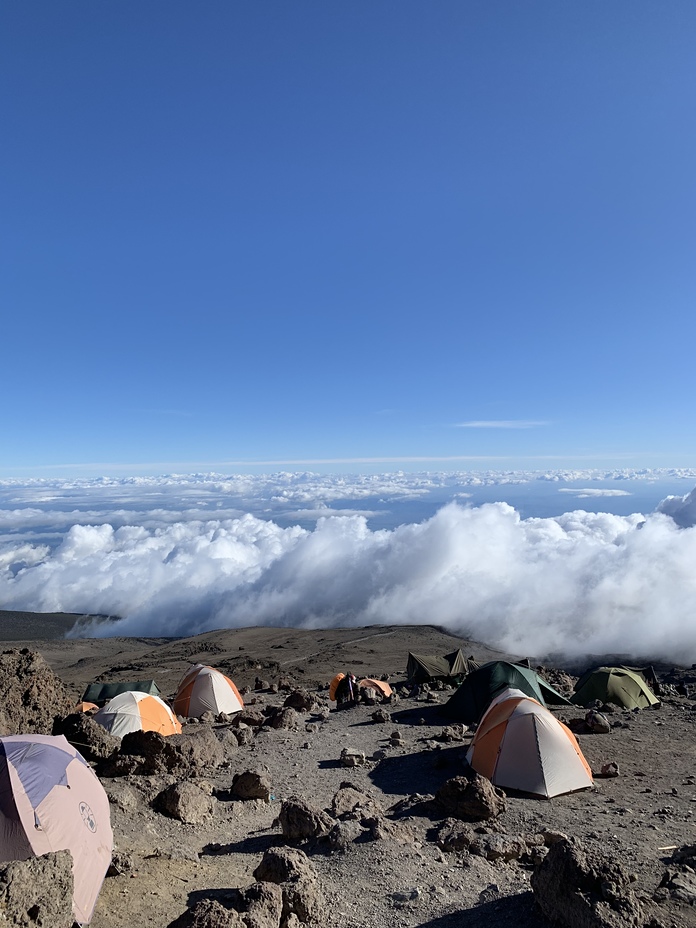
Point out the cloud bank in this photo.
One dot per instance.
(575, 584)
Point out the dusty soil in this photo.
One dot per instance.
(637, 817)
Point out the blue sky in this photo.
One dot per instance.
(388, 232)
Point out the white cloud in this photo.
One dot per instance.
(183, 558)
(589, 493)
(681, 508)
(500, 424)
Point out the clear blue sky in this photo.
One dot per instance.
(298, 231)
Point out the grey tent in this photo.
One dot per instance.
(100, 693)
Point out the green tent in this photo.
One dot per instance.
(617, 685)
(480, 688)
(99, 693)
(460, 665)
(422, 668)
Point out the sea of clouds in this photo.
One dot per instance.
(180, 555)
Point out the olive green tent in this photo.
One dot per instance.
(481, 686)
(617, 685)
(422, 668)
(100, 693)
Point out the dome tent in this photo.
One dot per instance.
(133, 711)
(51, 800)
(381, 686)
(617, 685)
(205, 689)
(520, 745)
(481, 687)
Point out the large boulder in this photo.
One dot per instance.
(37, 891)
(147, 753)
(293, 871)
(90, 738)
(474, 799)
(260, 905)
(209, 913)
(300, 822)
(580, 888)
(351, 802)
(252, 784)
(186, 802)
(32, 697)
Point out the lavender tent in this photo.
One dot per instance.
(51, 800)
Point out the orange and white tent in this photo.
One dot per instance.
(382, 688)
(135, 711)
(86, 707)
(520, 745)
(204, 689)
(333, 686)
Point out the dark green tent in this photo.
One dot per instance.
(99, 693)
(481, 686)
(618, 685)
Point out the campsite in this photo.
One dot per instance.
(385, 843)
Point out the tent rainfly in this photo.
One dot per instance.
(481, 686)
(51, 800)
(205, 689)
(617, 685)
(520, 745)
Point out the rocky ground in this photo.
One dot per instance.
(363, 797)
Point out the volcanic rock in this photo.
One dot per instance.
(581, 888)
(471, 799)
(37, 891)
(31, 695)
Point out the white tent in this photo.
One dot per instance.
(204, 689)
(520, 745)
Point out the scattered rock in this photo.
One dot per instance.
(452, 733)
(454, 835)
(300, 700)
(597, 723)
(120, 864)
(352, 758)
(286, 718)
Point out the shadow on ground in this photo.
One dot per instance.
(422, 714)
(519, 911)
(254, 844)
(422, 772)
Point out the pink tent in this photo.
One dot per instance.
(51, 800)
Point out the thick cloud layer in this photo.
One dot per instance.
(577, 584)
